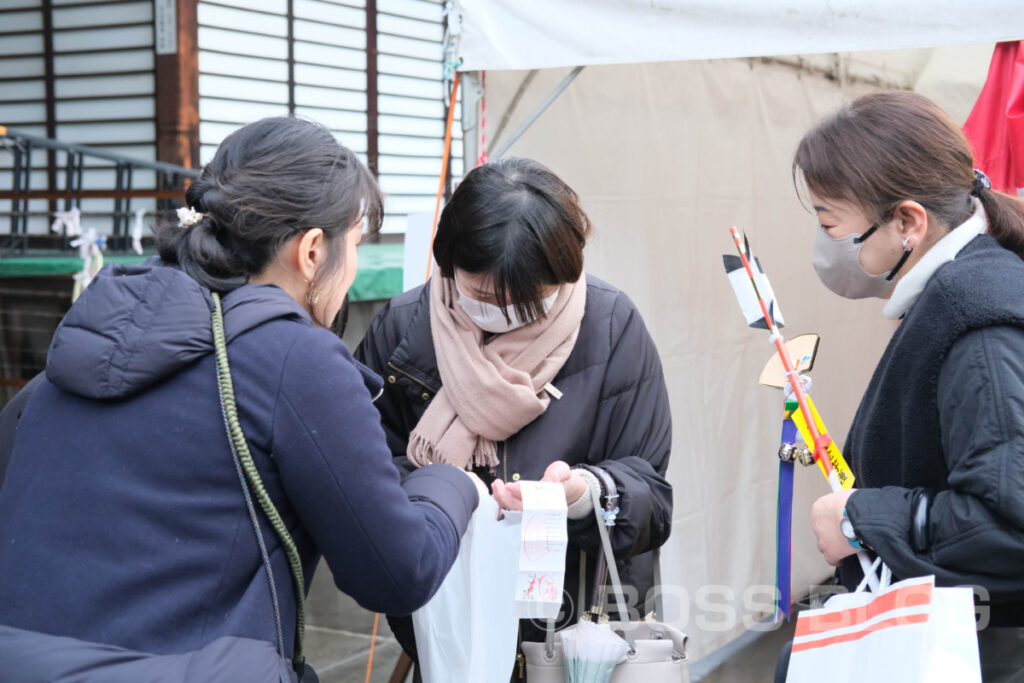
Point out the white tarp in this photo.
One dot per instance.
(532, 34)
(665, 158)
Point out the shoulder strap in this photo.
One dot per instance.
(250, 478)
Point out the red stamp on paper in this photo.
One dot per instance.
(541, 586)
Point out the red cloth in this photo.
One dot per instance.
(995, 127)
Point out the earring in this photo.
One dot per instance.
(906, 241)
(312, 296)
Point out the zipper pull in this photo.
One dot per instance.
(521, 661)
(504, 448)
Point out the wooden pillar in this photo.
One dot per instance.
(290, 11)
(372, 130)
(177, 82)
(51, 103)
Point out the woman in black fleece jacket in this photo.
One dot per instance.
(937, 444)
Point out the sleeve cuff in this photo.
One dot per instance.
(585, 505)
(448, 489)
(881, 517)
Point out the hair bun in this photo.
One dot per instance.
(268, 181)
(211, 199)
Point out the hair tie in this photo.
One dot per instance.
(981, 182)
(187, 217)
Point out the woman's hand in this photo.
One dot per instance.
(826, 514)
(510, 496)
(574, 485)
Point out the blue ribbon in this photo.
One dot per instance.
(784, 528)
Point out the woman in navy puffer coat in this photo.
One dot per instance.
(122, 519)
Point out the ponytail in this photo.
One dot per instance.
(1005, 219)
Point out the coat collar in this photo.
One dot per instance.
(415, 355)
(945, 250)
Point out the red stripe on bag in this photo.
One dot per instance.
(857, 635)
(914, 595)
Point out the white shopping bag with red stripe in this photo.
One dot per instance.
(909, 632)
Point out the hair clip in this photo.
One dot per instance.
(187, 217)
(981, 182)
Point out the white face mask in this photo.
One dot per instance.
(491, 318)
(837, 262)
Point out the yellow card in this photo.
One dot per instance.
(843, 470)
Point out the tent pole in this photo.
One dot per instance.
(537, 113)
(471, 93)
(511, 110)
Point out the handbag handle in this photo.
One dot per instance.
(248, 473)
(605, 518)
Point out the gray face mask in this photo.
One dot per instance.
(838, 265)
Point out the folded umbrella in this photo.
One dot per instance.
(591, 651)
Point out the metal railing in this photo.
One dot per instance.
(170, 184)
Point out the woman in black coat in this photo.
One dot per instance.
(937, 444)
(509, 249)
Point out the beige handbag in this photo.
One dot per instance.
(657, 651)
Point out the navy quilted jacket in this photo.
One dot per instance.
(122, 519)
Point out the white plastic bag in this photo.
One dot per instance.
(909, 632)
(481, 648)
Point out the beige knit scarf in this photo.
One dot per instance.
(491, 389)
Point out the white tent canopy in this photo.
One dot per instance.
(533, 34)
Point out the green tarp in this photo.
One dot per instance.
(379, 276)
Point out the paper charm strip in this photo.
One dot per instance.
(69, 222)
(542, 554)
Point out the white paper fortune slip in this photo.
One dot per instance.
(542, 553)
